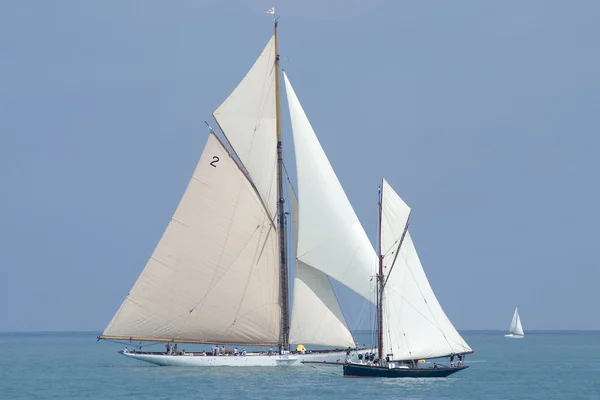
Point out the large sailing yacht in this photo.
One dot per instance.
(219, 274)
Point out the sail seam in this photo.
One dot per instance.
(428, 307)
(212, 283)
(257, 259)
(212, 286)
(433, 323)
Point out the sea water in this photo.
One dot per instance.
(544, 365)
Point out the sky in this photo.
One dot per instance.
(484, 117)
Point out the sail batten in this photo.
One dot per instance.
(331, 239)
(214, 274)
(414, 323)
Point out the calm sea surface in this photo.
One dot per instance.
(73, 366)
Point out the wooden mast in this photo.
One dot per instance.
(283, 270)
(380, 288)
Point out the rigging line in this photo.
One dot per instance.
(405, 300)
(323, 371)
(254, 265)
(337, 300)
(360, 315)
(398, 249)
(212, 286)
(238, 162)
(372, 320)
(251, 311)
(433, 323)
(436, 324)
(229, 228)
(130, 343)
(287, 175)
(257, 125)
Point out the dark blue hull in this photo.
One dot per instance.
(366, 371)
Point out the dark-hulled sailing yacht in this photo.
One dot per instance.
(411, 325)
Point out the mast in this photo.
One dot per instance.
(380, 288)
(283, 270)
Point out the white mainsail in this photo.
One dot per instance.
(214, 275)
(316, 315)
(331, 239)
(249, 121)
(414, 323)
(515, 324)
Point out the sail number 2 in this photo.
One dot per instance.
(214, 161)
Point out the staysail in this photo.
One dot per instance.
(414, 323)
(213, 276)
(248, 119)
(515, 324)
(331, 239)
(316, 315)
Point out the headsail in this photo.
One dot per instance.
(331, 239)
(316, 315)
(213, 276)
(515, 324)
(414, 323)
(248, 120)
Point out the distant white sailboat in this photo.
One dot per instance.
(219, 274)
(515, 331)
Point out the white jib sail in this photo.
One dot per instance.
(515, 324)
(414, 325)
(330, 236)
(214, 275)
(316, 315)
(248, 120)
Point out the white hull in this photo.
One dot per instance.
(242, 361)
(513, 336)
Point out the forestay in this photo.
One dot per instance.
(248, 120)
(331, 239)
(414, 324)
(214, 275)
(316, 315)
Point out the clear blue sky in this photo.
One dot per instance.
(484, 116)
